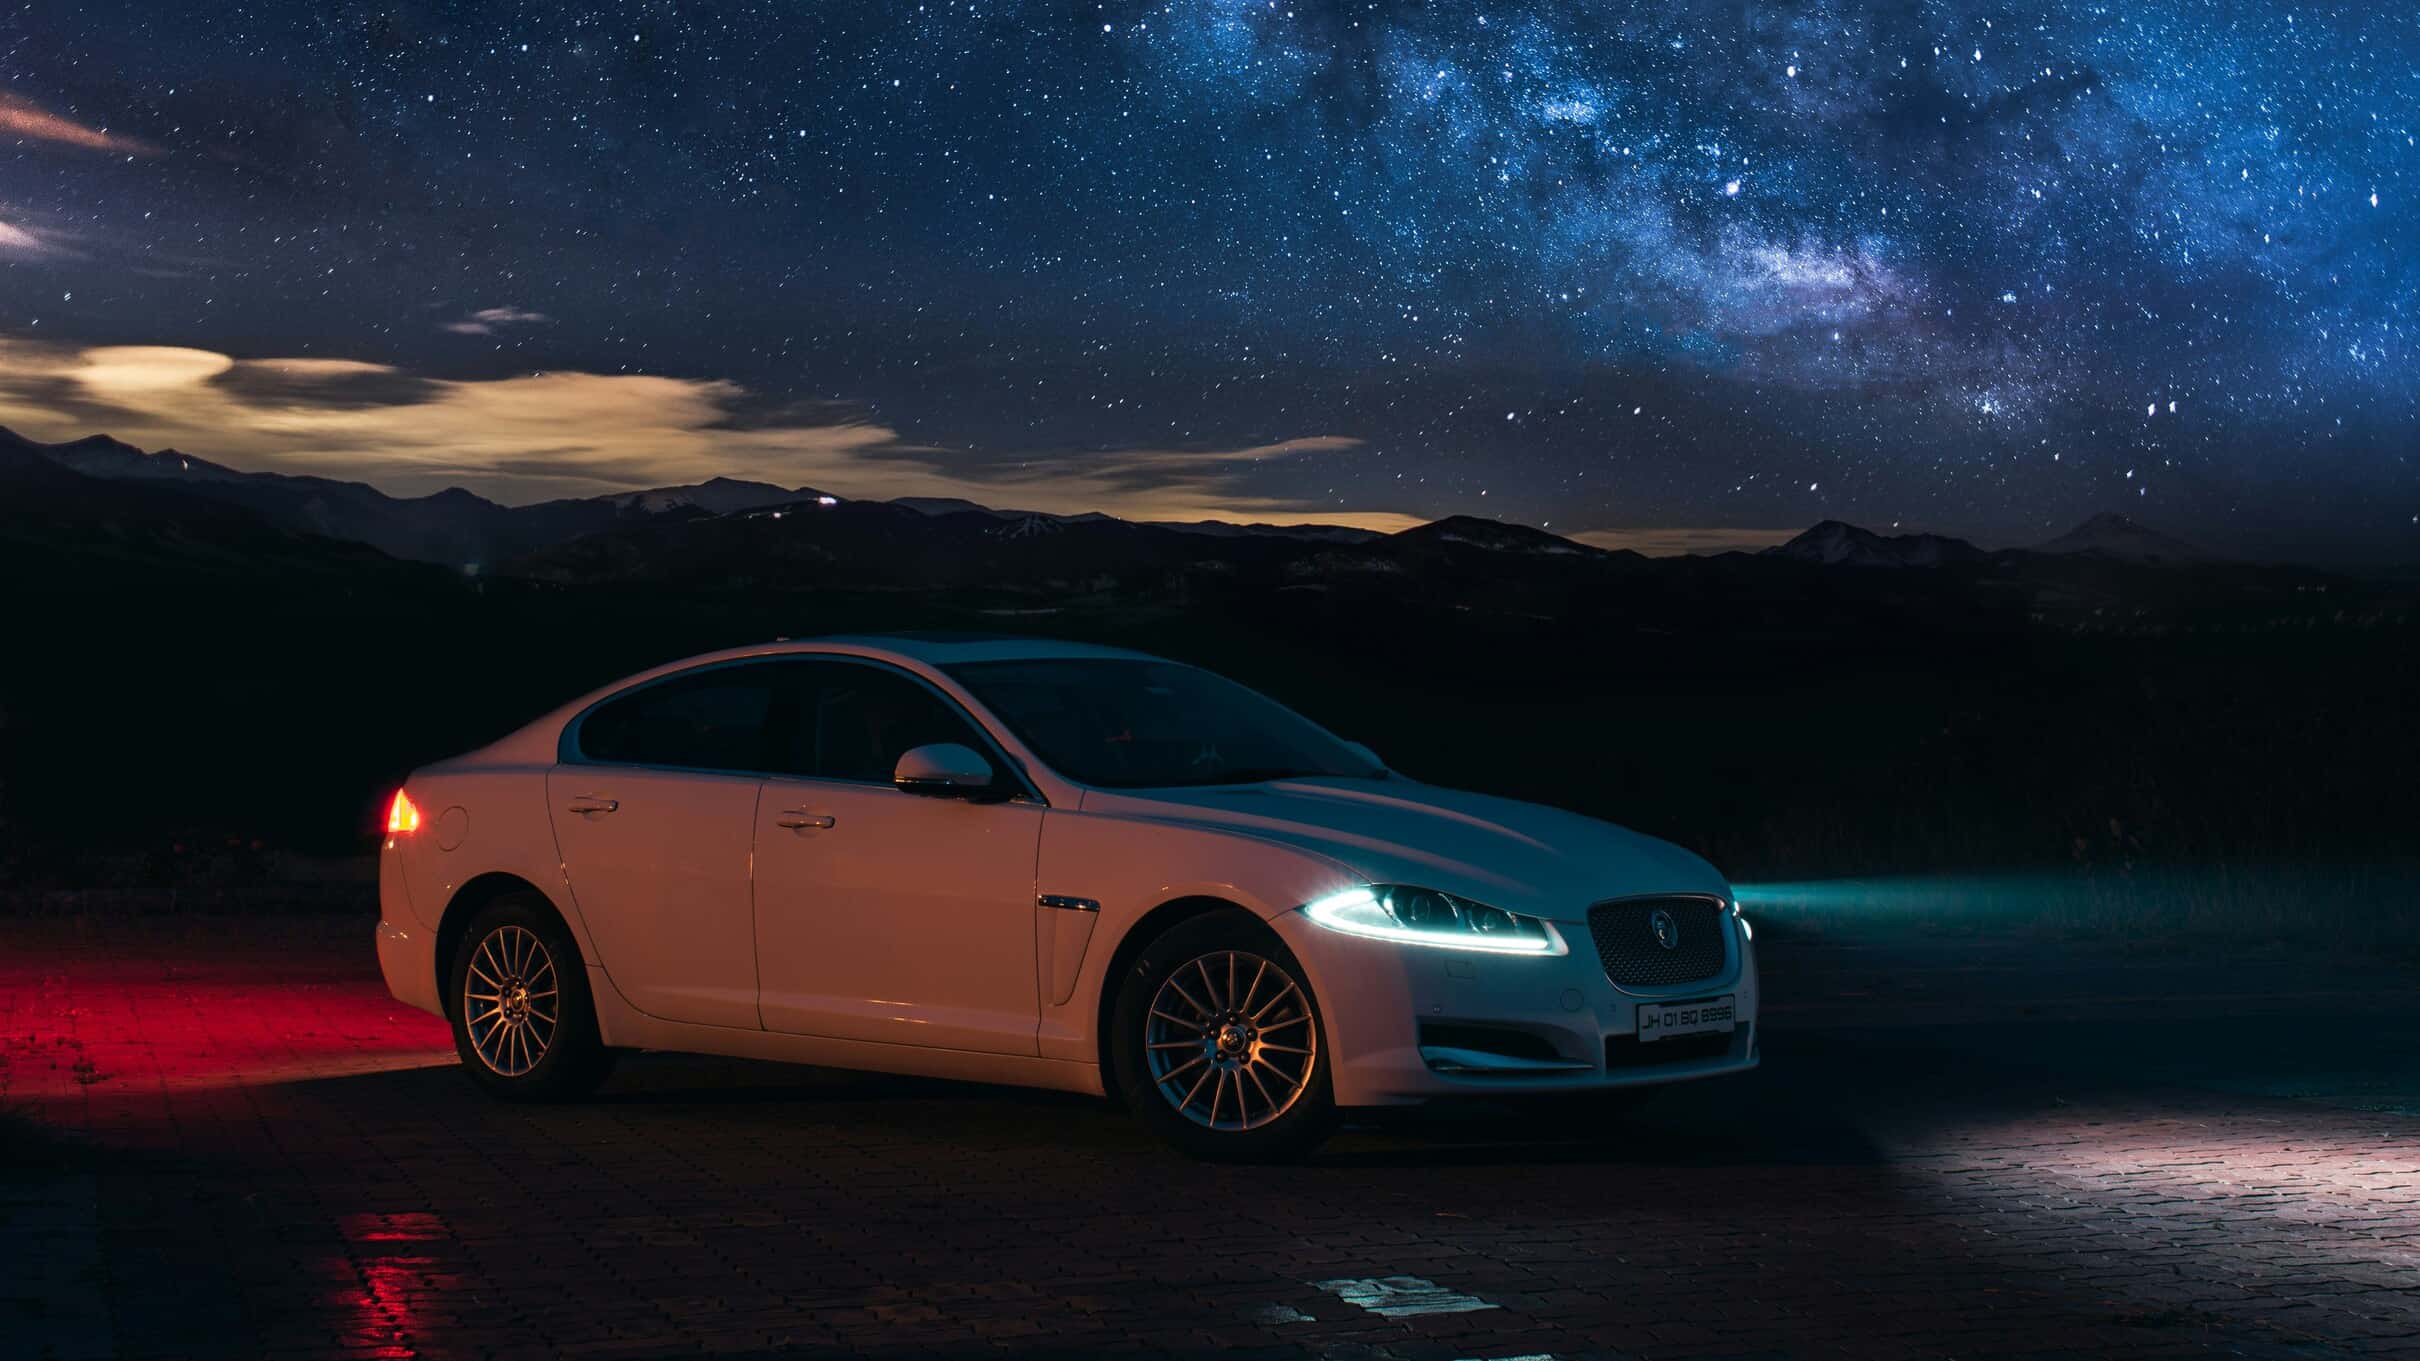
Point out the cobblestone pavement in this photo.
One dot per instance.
(231, 1142)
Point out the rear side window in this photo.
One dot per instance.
(854, 722)
(717, 720)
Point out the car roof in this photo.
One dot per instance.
(537, 740)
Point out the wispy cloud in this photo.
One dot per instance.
(488, 320)
(570, 433)
(22, 118)
(21, 242)
(1142, 483)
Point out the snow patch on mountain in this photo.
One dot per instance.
(1836, 543)
(2115, 536)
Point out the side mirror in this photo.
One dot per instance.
(1367, 755)
(943, 770)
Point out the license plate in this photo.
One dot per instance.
(1706, 1016)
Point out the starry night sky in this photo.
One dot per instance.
(1661, 274)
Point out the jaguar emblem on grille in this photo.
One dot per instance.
(1667, 931)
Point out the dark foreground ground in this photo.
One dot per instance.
(226, 1140)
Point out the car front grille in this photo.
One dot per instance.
(1636, 955)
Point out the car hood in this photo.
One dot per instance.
(1523, 857)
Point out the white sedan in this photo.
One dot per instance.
(1042, 863)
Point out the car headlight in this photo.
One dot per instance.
(1424, 916)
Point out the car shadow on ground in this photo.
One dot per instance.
(1705, 1124)
(1816, 1100)
(1453, 1134)
(1696, 1124)
(1671, 1129)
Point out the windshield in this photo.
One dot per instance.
(1142, 724)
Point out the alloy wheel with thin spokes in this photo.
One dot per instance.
(512, 1000)
(1229, 1040)
(525, 1022)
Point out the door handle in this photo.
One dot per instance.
(795, 818)
(590, 803)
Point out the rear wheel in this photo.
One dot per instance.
(1218, 1046)
(518, 994)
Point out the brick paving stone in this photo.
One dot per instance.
(266, 1156)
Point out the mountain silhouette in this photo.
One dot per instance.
(48, 506)
(1836, 543)
(102, 496)
(454, 527)
(2115, 536)
(458, 528)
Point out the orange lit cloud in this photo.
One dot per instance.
(1139, 484)
(20, 118)
(568, 433)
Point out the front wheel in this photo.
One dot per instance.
(518, 994)
(1217, 1043)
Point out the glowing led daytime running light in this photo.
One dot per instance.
(1358, 912)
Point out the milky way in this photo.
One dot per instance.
(1602, 266)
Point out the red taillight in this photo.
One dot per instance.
(402, 815)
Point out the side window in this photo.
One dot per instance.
(854, 722)
(713, 721)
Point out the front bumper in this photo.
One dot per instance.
(1374, 997)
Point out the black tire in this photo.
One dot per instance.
(520, 932)
(1203, 948)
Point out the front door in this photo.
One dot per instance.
(881, 915)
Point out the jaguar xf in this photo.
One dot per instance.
(1040, 863)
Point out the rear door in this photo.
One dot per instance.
(886, 916)
(655, 814)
